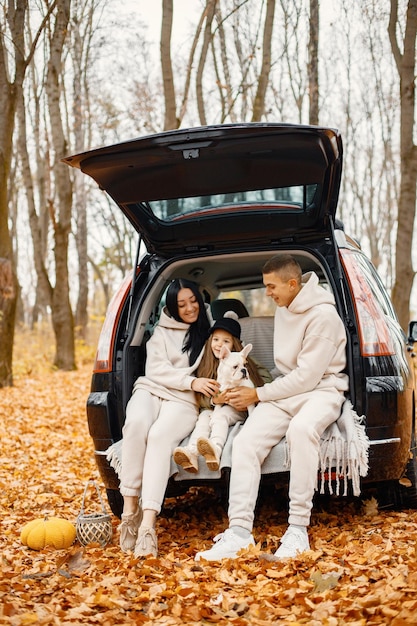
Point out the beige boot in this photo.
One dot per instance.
(129, 530)
(210, 452)
(186, 459)
(147, 543)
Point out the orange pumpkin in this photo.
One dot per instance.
(53, 531)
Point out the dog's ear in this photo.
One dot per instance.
(224, 352)
(246, 350)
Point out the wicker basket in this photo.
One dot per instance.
(94, 527)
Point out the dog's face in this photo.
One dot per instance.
(232, 370)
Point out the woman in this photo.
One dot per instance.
(161, 412)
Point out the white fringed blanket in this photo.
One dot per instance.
(344, 449)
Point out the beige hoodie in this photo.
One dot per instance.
(168, 374)
(309, 345)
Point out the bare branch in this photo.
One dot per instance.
(392, 33)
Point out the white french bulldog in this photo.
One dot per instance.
(232, 370)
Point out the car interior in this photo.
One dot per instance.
(228, 282)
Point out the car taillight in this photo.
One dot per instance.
(103, 360)
(374, 332)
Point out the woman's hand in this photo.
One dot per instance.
(207, 386)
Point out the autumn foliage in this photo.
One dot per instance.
(362, 568)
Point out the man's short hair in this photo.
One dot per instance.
(285, 265)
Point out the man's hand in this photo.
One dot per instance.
(241, 397)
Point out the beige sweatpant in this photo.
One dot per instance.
(302, 419)
(153, 428)
(214, 424)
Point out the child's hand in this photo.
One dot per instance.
(207, 386)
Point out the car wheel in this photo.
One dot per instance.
(401, 494)
(115, 500)
(408, 495)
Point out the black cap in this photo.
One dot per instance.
(228, 323)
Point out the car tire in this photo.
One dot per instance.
(408, 495)
(397, 495)
(115, 500)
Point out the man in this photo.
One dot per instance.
(307, 395)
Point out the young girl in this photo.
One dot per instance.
(161, 412)
(211, 430)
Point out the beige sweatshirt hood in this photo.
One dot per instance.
(311, 294)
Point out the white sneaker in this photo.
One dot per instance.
(294, 542)
(226, 546)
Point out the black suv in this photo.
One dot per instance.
(212, 204)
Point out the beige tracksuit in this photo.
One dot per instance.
(310, 356)
(160, 413)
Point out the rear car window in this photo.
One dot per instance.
(294, 198)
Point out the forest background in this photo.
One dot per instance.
(78, 74)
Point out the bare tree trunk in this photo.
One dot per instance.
(8, 301)
(211, 7)
(39, 181)
(225, 85)
(405, 61)
(171, 121)
(313, 63)
(62, 318)
(102, 280)
(259, 102)
(9, 97)
(80, 64)
(81, 315)
(293, 16)
(43, 288)
(8, 101)
(190, 67)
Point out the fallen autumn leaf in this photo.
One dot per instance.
(362, 568)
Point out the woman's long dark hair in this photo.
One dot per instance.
(197, 332)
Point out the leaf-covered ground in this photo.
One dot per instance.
(362, 568)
